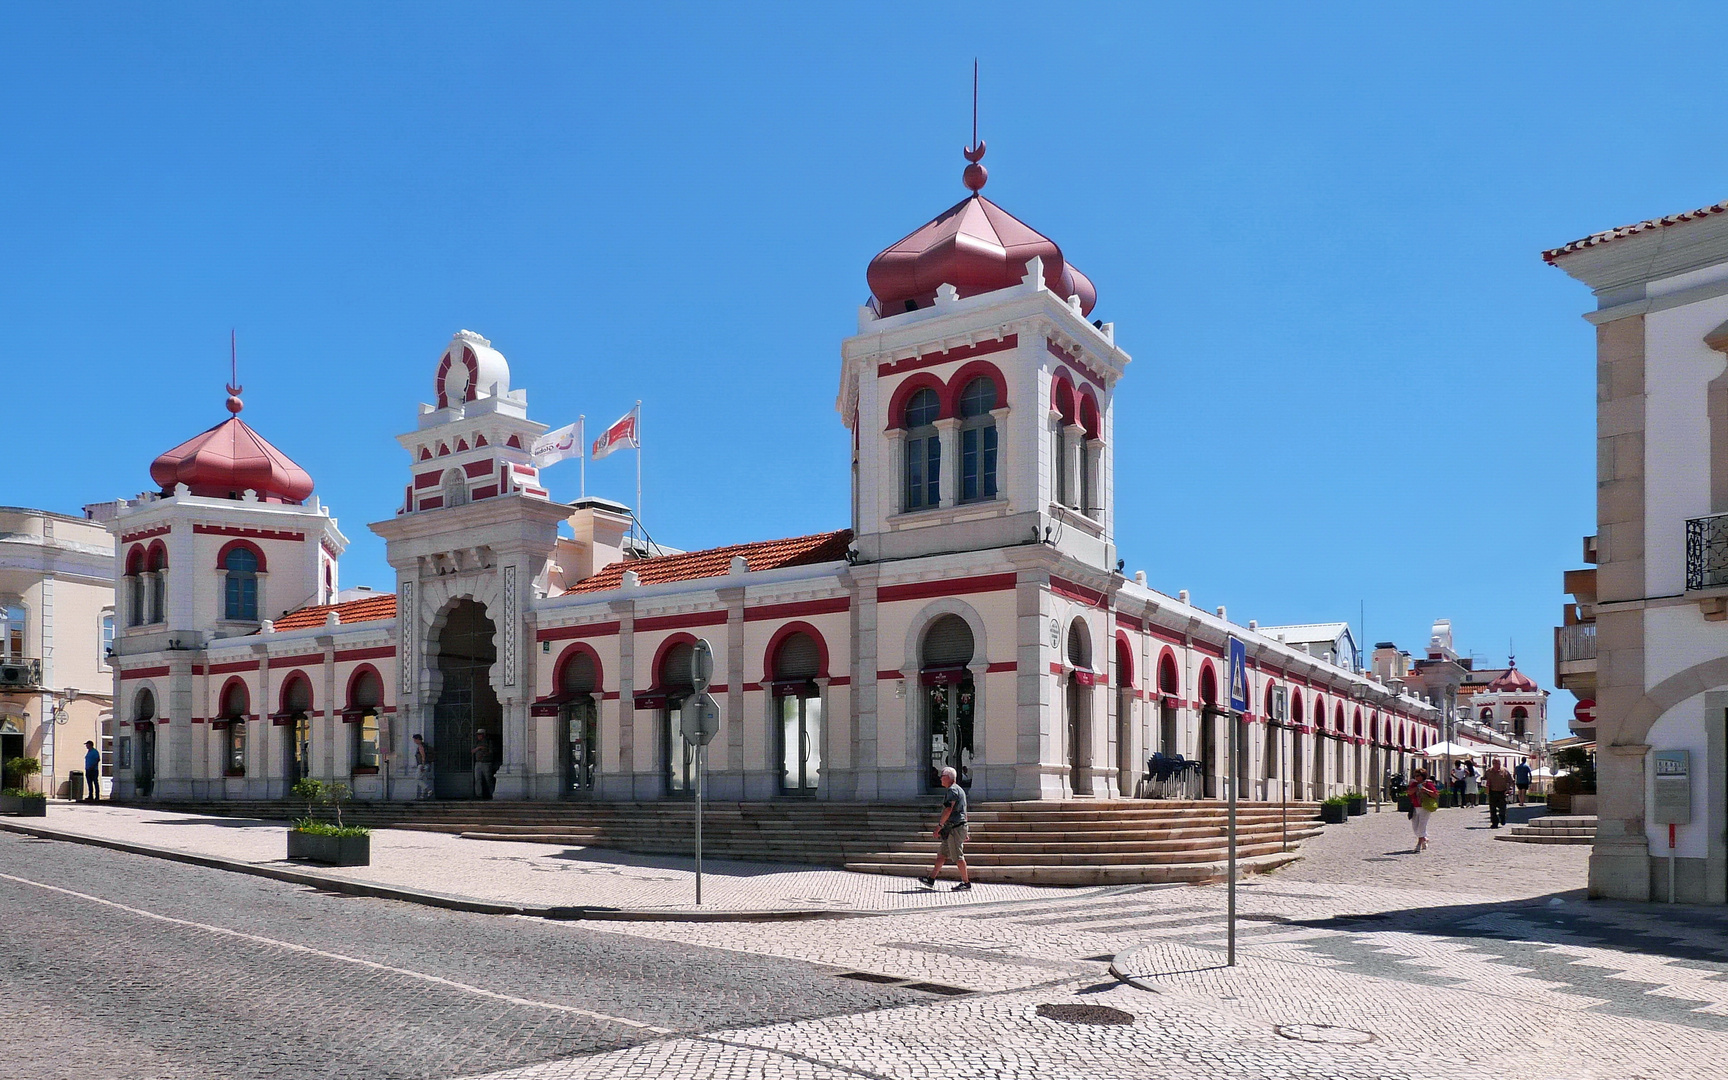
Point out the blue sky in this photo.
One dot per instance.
(1355, 387)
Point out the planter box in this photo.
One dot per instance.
(1358, 806)
(1403, 804)
(330, 850)
(24, 805)
(1333, 815)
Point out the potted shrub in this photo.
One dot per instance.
(17, 799)
(321, 841)
(1335, 810)
(1356, 802)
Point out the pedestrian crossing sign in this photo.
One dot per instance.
(1238, 657)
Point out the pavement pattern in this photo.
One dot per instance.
(1475, 959)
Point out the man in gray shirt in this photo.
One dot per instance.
(952, 831)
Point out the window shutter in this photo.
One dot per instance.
(948, 643)
(675, 665)
(1077, 651)
(797, 658)
(579, 674)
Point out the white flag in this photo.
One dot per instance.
(558, 445)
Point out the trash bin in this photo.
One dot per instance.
(75, 787)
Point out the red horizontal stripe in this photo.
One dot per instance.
(679, 622)
(255, 534)
(223, 669)
(965, 352)
(1072, 591)
(923, 590)
(160, 530)
(144, 673)
(307, 660)
(1006, 665)
(380, 653)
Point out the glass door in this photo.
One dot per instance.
(949, 709)
(581, 750)
(144, 776)
(800, 742)
(680, 755)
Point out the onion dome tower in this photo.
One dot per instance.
(1513, 681)
(975, 246)
(230, 459)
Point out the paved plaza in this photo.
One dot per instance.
(1474, 959)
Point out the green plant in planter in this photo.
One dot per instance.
(313, 827)
(324, 793)
(18, 771)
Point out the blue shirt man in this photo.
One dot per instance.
(92, 772)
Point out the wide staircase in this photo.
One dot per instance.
(1080, 842)
(1555, 829)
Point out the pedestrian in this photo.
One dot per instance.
(423, 759)
(92, 772)
(1471, 782)
(1457, 784)
(1522, 776)
(1499, 783)
(484, 757)
(1424, 800)
(952, 831)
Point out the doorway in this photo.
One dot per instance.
(467, 704)
(796, 665)
(949, 699)
(581, 746)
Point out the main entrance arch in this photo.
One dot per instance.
(467, 703)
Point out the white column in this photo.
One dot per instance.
(948, 430)
(896, 485)
(1074, 453)
(1092, 460)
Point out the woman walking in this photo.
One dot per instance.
(1424, 800)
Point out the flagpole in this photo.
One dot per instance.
(582, 445)
(642, 528)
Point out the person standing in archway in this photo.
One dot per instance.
(485, 755)
(423, 787)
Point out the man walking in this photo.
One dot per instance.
(92, 772)
(1498, 782)
(951, 830)
(484, 756)
(1522, 775)
(423, 787)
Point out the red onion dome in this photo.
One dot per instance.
(975, 246)
(1513, 681)
(229, 459)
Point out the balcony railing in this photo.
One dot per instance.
(20, 673)
(1707, 552)
(1575, 642)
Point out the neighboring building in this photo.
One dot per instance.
(1495, 713)
(1575, 644)
(1332, 642)
(973, 615)
(56, 623)
(1660, 594)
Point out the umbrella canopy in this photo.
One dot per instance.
(1543, 773)
(1442, 749)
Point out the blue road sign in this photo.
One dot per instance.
(1238, 675)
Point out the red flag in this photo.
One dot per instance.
(621, 434)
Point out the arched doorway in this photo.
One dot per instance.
(949, 697)
(1168, 687)
(467, 704)
(579, 726)
(1213, 766)
(1319, 784)
(1520, 721)
(1127, 754)
(1079, 708)
(796, 665)
(673, 682)
(1297, 781)
(296, 716)
(144, 729)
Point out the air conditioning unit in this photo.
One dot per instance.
(20, 674)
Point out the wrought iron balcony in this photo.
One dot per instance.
(1707, 552)
(20, 673)
(1575, 642)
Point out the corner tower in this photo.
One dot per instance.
(978, 394)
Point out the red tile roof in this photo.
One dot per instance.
(716, 562)
(1597, 239)
(365, 609)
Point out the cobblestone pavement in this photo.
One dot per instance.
(1478, 959)
(532, 874)
(116, 965)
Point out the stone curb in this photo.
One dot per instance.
(440, 900)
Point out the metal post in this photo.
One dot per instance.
(1235, 721)
(1284, 788)
(701, 757)
(1671, 863)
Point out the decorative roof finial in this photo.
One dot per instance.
(234, 387)
(975, 175)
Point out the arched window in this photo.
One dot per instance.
(12, 620)
(455, 488)
(1090, 459)
(978, 441)
(158, 581)
(135, 586)
(240, 590)
(1520, 720)
(674, 682)
(797, 663)
(296, 714)
(923, 451)
(1062, 414)
(144, 706)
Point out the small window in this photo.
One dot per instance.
(12, 620)
(240, 597)
(105, 639)
(455, 488)
(923, 451)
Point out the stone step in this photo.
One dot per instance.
(1144, 874)
(1541, 838)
